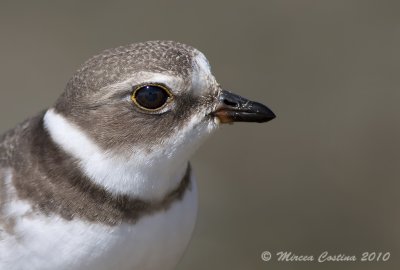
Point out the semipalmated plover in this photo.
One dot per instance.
(101, 180)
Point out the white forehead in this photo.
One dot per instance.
(202, 64)
(201, 78)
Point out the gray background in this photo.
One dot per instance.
(323, 176)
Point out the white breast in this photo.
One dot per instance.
(47, 243)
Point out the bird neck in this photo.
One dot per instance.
(148, 176)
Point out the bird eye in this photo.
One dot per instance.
(151, 97)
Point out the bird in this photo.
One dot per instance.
(101, 179)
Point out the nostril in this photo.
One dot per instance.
(230, 103)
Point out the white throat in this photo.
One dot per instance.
(143, 175)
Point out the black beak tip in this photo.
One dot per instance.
(266, 114)
(262, 113)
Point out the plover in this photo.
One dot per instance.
(102, 179)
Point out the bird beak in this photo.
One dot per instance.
(234, 108)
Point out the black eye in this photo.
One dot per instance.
(151, 97)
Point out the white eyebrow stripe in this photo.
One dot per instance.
(172, 82)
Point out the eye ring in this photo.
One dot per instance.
(163, 97)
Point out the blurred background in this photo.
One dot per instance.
(323, 176)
